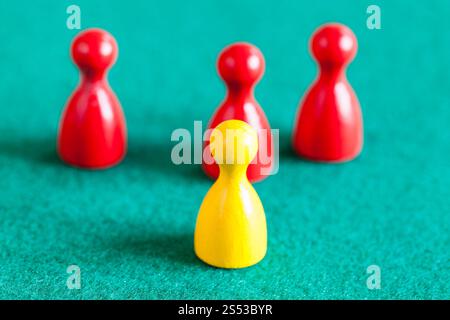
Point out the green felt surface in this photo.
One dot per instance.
(130, 228)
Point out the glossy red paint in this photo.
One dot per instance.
(329, 125)
(92, 131)
(241, 66)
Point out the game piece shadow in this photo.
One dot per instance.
(152, 156)
(41, 149)
(285, 147)
(176, 248)
(287, 153)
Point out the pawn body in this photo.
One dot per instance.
(92, 131)
(231, 227)
(241, 66)
(329, 125)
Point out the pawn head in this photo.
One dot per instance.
(234, 142)
(241, 64)
(94, 50)
(334, 44)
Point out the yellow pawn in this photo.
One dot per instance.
(231, 227)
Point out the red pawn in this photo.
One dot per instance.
(92, 131)
(241, 66)
(329, 124)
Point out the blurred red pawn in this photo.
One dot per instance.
(241, 66)
(329, 124)
(92, 131)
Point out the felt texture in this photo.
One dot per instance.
(130, 228)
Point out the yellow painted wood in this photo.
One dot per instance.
(231, 227)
